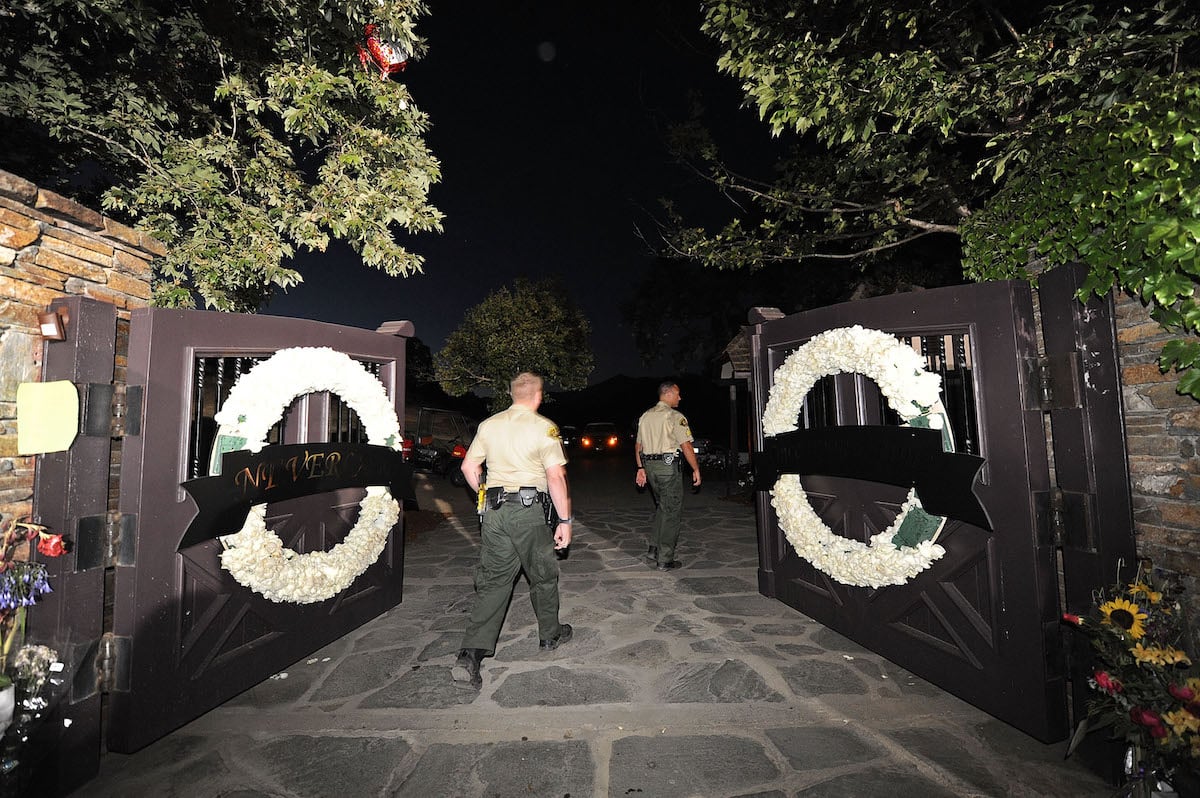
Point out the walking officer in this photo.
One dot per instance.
(663, 440)
(526, 490)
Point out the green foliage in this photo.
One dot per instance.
(534, 326)
(236, 134)
(1028, 135)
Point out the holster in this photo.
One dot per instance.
(494, 497)
(551, 512)
(526, 496)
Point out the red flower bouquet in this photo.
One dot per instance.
(1144, 684)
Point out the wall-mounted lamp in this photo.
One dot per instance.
(53, 324)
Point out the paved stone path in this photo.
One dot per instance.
(680, 683)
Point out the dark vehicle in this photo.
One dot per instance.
(439, 441)
(569, 435)
(601, 436)
(711, 456)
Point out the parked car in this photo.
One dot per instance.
(601, 436)
(710, 455)
(569, 435)
(440, 441)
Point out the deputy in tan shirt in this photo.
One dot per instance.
(526, 469)
(664, 438)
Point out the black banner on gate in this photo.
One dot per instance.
(906, 456)
(278, 473)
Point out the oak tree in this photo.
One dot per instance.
(1023, 136)
(532, 326)
(235, 133)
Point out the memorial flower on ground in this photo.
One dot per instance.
(22, 580)
(1144, 686)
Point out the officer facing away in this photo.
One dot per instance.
(526, 490)
(663, 440)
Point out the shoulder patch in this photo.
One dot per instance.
(553, 432)
(682, 421)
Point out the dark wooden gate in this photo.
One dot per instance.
(184, 636)
(196, 636)
(983, 621)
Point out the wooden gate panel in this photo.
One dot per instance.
(1091, 472)
(198, 637)
(70, 486)
(975, 623)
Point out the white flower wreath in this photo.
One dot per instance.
(912, 392)
(256, 557)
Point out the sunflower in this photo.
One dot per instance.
(1126, 615)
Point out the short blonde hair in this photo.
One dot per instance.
(524, 386)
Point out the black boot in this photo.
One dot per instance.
(565, 633)
(466, 667)
(652, 552)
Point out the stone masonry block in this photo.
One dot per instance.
(1153, 445)
(25, 292)
(18, 316)
(17, 357)
(7, 256)
(1146, 423)
(27, 210)
(82, 241)
(103, 294)
(139, 289)
(1139, 466)
(1160, 485)
(21, 509)
(1185, 515)
(31, 273)
(102, 259)
(1164, 395)
(1187, 488)
(1186, 562)
(152, 245)
(17, 230)
(70, 266)
(60, 206)
(131, 264)
(1185, 420)
(1150, 331)
(1134, 401)
(1144, 373)
(121, 232)
(10, 481)
(18, 188)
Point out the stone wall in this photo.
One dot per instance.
(52, 247)
(1163, 428)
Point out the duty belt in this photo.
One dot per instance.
(527, 496)
(666, 457)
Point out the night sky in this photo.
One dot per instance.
(548, 120)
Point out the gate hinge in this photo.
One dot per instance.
(1052, 382)
(111, 411)
(1066, 518)
(103, 667)
(104, 540)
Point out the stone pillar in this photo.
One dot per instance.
(52, 247)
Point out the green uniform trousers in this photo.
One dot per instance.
(514, 538)
(666, 483)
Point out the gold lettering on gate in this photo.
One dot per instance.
(310, 465)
